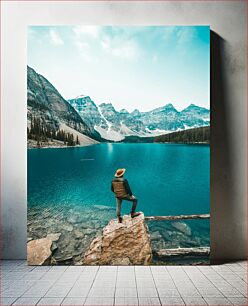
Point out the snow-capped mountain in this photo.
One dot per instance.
(116, 125)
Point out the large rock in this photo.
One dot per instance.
(182, 227)
(126, 243)
(39, 251)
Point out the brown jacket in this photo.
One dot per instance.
(121, 188)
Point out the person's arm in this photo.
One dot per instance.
(112, 188)
(127, 187)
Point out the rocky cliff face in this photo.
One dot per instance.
(114, 125)
(126, 243)
(46, 103)
(88, 110)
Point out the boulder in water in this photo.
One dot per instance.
(182, 227)
(39, 251)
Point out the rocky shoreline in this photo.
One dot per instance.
(55, 144)
(76, 227)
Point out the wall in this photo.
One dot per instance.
(228, 101)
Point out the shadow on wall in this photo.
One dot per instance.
(222, 206)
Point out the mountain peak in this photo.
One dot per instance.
(124, 111)
(107, 106)
(82, 100)
(169, 106)
(192, 105)
(195, 107)
(82, 96)
(136, 112)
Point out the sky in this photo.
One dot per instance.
(141, 67)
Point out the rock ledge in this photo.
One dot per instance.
(126, 243)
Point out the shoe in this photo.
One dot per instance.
(133, 215)
(120, 219)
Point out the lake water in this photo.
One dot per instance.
(167, 179)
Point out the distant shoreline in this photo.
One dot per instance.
(86, 145)
(60, 147)
(56, 144)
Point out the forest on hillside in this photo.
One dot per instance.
(196, 135)
(40, 131)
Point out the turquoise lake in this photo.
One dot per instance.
(166, 178)
(69, 190)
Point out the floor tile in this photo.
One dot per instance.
(42, 268)
(99, 284)
(58, 268)
(194, 301)
(7, 300)
(125, 269)
(165, 284)
(238, 301)
(149, 301)
(166, 301)
(102, 292)
(145, 283)
(50, 301)
(217, 301)
(74, 301)
(13, 293)
(189, 293)
(209, 292)
(58, 291)
(75, 268)
(38, 290)
(99, 301)
(126, 283)
(79, 291)
(230, 292)
(121, 301)
(126, 292)
(27, 301)
(108, 269)
(164, 292)
(147, 292)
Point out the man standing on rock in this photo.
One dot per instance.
(122, 191)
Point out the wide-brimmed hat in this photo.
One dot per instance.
(120, 172)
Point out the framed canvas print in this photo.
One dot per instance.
(118, 129)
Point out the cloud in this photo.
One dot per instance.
(115, 41)
(84, 37)
(119, 44)
(84, 49)
(155, 58)
(55, 38)
(90, 31)
(168, 32)
(185, 35)
(127, 49)
(182, 35)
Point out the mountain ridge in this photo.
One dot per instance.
(81, 116)
(116, 125)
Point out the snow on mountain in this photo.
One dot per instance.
(114, 125)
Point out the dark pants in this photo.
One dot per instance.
(119, 201)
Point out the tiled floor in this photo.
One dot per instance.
(154, 285)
